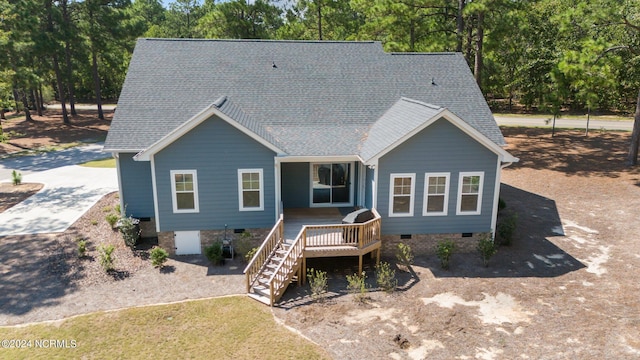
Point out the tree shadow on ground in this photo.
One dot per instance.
(531, 254)
(602, 153)
(29, 281)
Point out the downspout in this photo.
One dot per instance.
(123, 210)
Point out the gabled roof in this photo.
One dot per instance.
(228, 112)
(306, 98)
(405, 119)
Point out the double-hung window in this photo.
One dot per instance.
(470, 193)
(184, 188)
(401, 194)
(436, 194)
(250, 190)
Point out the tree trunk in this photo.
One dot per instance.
(460, 25)
(3, 117)
(36, 101)
(469, 44)
(41, 97)
(67, 58)
(319, 20)
(632, 159)
(477, 70)
(25, 104)
(56, 65)
(16, 98)
(96, 83)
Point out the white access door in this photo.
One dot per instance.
(187, 242)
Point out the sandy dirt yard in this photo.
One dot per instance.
(567, 288)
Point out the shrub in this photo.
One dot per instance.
(112, 219)
(243, 245)
(386, 277)
(501, 204)
(506, 228)
(250, 254)
(317, 283)
(444, 251)
(16, 178)
(213, 252)
(404, 254)
(94, 222)
(158, 256)
(82, 248)
(130, 230)
(357, 286)
(106, 257)
(487, 248)
(117, 208)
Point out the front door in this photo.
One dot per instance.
(331, 184)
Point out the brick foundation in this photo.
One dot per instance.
(148, 228)
(425, 244)
(166, 239)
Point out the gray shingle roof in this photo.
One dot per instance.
(320, 98)
(402, 118)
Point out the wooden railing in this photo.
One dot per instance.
(358, 235)
(259, 260)
(283, 274)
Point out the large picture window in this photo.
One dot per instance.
(470, 193)
(184, 188)
(250, 190)
(401, 194)
(436, 194)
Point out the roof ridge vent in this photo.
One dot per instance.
(221, 100)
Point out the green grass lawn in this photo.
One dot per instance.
(222, 328)
(104, 163)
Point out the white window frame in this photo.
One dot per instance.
(241, 206)
(174, 192)
(445, 207)
(461, 176)
(412, 196)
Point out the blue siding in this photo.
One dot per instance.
(137, 188)
(441, 147)
(368, 193)
(216, 150)
(295, 185)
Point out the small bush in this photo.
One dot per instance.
(213, 252)
(94, 222)
(404, 254)
(444, 251)
(243, 245)
(506, 228)
(129, 230)
(358, 287)
(106, 257)
(250, 254)
(317, 283)
(16, 178)
(487, 248)
(112, 219)
(501, 204)
(386, 277)
(117, 209)
(158, 256)
(82, 248)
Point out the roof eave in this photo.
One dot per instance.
(204, 114)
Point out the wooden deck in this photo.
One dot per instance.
(323, 234)
(307, 233)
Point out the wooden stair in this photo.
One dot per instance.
(274, 266)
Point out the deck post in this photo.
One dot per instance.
(360, 264)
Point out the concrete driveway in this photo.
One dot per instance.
(68, 192)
